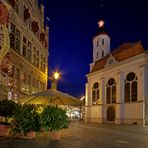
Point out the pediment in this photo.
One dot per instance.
(110, 61)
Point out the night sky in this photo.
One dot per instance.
(73, 23)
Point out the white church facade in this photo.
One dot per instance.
(117, 84)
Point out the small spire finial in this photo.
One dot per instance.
(101, 23)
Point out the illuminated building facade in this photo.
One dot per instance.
(24, 67)
(117, 84)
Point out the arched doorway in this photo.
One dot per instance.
(110, 114)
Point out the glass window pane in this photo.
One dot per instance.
(114, 94)
(130, 76)
(17, 44)
(102, 53)
(12, 28)
(108, 95)
(97, 93)
(29, 54)
(24, 50)
(102, 41)
(127, 92)
(111, 81)
(134, 91)
(93, 96)
(96, 85)
(11, 40)
(17, 33)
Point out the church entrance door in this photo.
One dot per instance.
(111, 114)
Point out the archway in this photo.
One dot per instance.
(111, 114)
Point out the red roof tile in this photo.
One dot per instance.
(121, 53)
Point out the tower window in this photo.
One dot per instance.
(102, 41)
(97, 55)
(97, 43)
(102, 53)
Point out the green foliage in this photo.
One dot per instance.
(7, 108)
(54, 118)
(25, 119)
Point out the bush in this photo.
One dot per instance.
(54, 118)
(25, 119)
(7, 108)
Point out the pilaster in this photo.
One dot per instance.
(119, 98)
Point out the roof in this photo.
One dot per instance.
(100, 31)
(121, 53)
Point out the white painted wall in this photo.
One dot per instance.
(118, 71)
(98, 47)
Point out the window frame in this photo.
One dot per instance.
(133, 92)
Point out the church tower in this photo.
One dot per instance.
(101, 43)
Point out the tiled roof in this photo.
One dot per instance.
(121, 53)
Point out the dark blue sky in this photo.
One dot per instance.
(73, 24)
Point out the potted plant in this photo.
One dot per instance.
(6, 111)
(54, 119)
(26, 121)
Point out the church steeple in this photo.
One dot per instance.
(101, 42)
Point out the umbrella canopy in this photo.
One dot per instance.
(49, 96)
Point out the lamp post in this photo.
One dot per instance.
(54, 79)
(56, 75)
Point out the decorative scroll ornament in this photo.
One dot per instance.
(4, 33)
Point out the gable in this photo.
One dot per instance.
(123, 52)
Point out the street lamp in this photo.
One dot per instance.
(54, 80)
(56, 75)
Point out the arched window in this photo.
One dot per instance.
(95, 93)
(111, 91)
(131, 86)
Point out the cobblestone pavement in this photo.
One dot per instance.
(87, 135)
